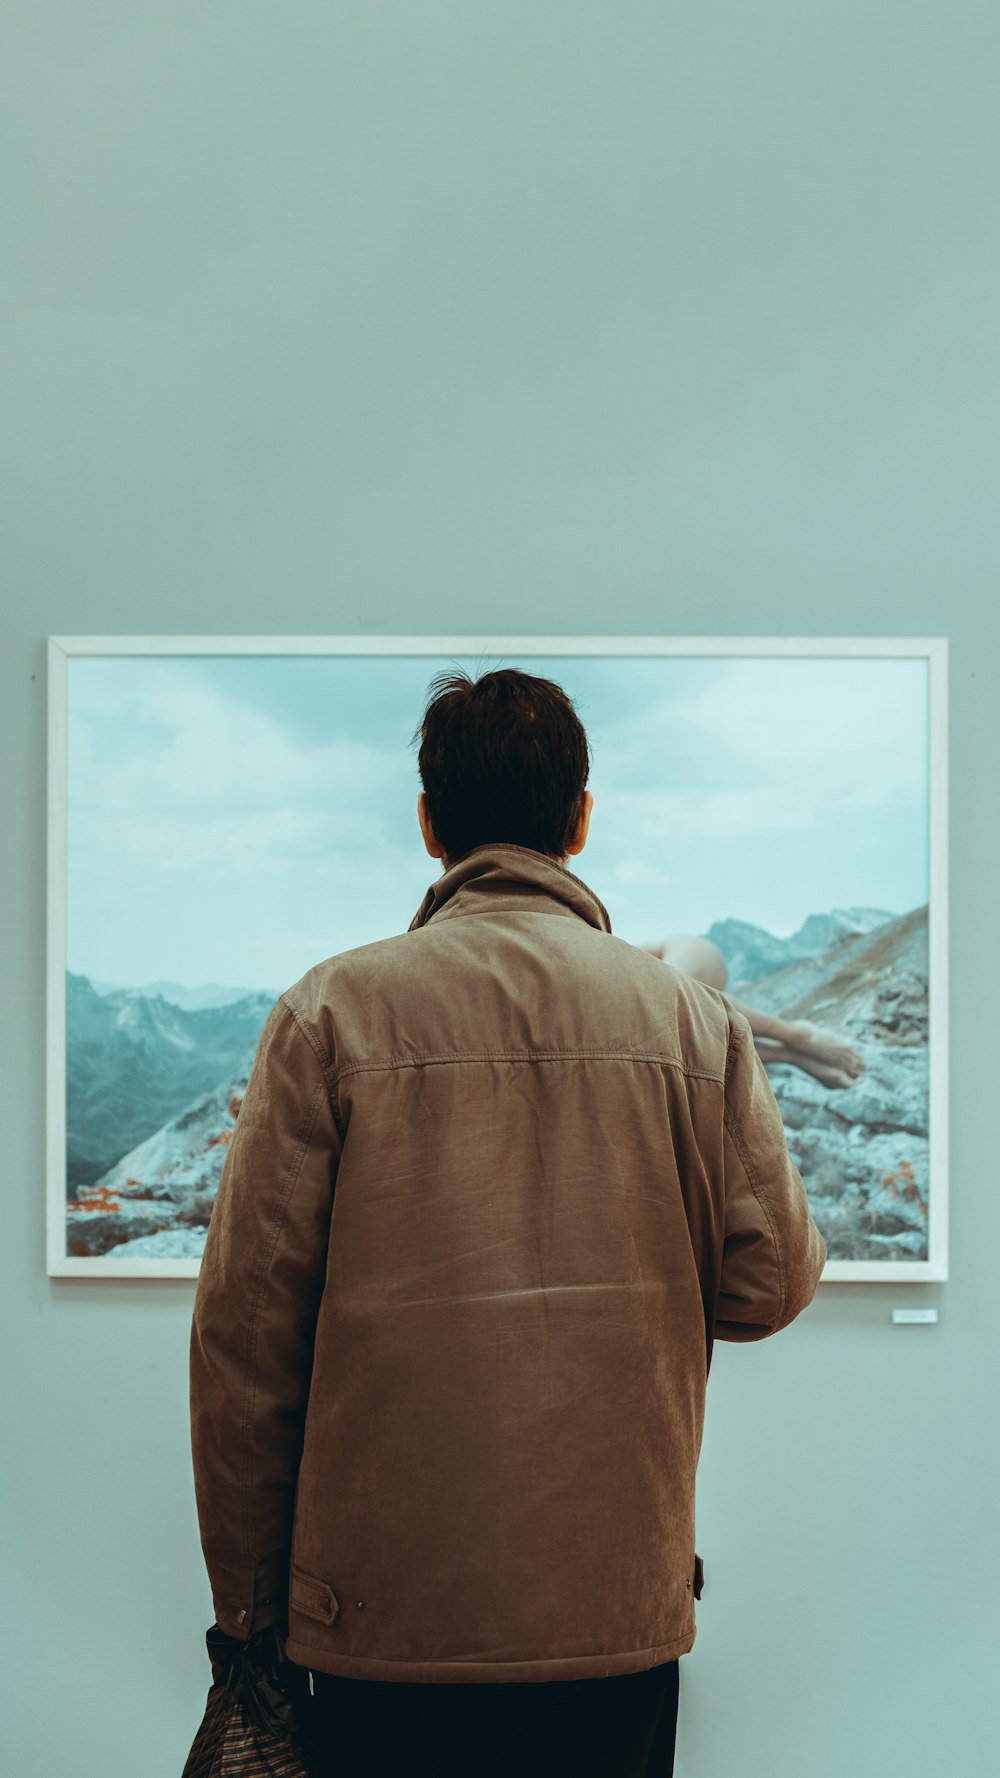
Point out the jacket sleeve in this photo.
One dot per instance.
(773, 1253)
(254, 1321)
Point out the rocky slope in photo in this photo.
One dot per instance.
(862, 1150)
(156, 1201)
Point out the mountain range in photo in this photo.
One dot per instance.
(155, 1077)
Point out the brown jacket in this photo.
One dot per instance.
(496, 1185)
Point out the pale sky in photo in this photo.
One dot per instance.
(237, 819)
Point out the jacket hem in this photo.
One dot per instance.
(596, 1666)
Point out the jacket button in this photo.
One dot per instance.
(240, 1615)
(361, 1605)
(687, 1583)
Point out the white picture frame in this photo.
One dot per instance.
(914, 763)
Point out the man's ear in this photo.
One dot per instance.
(433, 845)
(580, 837)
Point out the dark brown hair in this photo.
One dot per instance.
(502, 757)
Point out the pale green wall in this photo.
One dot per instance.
(530, 317)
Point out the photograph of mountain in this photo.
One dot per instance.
(235, 818)
(133, 1056)
(863, 1152)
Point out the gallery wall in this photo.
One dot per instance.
(514, 319)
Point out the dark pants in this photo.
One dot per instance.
(621, 1727)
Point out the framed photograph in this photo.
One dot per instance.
(226, 811)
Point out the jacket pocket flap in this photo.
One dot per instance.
(312, 1597)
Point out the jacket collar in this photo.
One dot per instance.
(494, 876)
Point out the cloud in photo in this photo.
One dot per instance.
(239, 818)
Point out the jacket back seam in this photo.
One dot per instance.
(383, 1065)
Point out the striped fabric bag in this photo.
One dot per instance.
(257, 1722)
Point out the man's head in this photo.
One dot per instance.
(502, 757)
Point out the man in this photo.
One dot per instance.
(496, 1185)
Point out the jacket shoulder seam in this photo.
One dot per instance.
(307, 1126)
(736, 1036)
(755, 1186)
(324, 1062)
